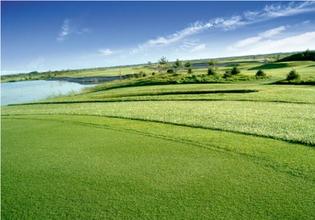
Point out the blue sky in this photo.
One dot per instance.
(67, 35)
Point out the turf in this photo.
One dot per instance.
(296, 123)
(54, 170)
(165, 146)
(263, 93)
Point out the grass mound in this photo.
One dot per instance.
(307, 55)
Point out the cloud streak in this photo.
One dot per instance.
(249, 17)
(286, 44)
(64, 30)
(105, 52)
(261, 36)
(67, 28)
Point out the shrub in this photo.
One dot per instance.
(153, 73)
(293, 75)
(235, 71)
(177, 63)
(227, 74)
(260, 73)
(142, 74)
(170, 71)
(211, 63)
(187, 64)
(189, 70)
(211, 71)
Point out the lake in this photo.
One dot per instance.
(30, 91)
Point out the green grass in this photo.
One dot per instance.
(142, 170)
(165, 146)
(265, 93)
(296, 123)
(247, 64)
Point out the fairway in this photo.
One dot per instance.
(89, 167)
(162, 110)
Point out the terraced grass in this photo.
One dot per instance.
(286, 121)
(142, 170)
(271, 93)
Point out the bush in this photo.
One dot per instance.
(293, 75)
(260, 73)
(189, 70)
(187, 64)
(211, 63)
(235, 71)
(153, 73)
(170, 71)
(142, 74)
(227, 74)
(211, 71)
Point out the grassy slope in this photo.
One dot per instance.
(268, 119)
(64, 161)
(247, 65)
(275, 93)
(149, 170)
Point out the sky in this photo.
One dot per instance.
(41, 36)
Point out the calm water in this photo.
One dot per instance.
(29, 91)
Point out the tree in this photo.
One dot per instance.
(293, 75)
(211, 63)
(177, 64)
(235, 70)
(188, 67)
(211, 71)
(170, 71)
(163, 61)
(162, 64)
(227, 74)
(187, 64)
(211, 68)
(260, 73)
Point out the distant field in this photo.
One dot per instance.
(247, 64)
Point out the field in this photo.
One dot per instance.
(166, 146)
(248, 64)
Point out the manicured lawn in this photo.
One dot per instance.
(198, 147)
(84, 167)
(286, 121)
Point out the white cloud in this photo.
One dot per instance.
(105, 52)
(198, 47)
(298, 42)
(68, 28)
(292, 8)
(64, 30)
(261, 36)
(195, 28)
(272, 32)
(249, 17)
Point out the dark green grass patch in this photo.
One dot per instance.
(271, 66)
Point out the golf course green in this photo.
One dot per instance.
(168, 145)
